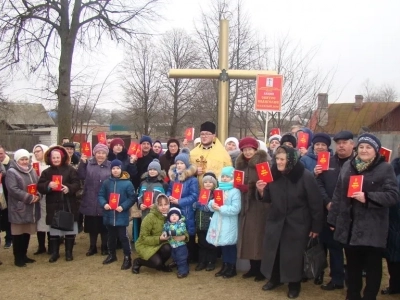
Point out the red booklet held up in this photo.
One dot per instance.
(189, 134)
(32, 189)
(355, 184)
(275, 131)
(264, 172)
(386, 153)
(238, 178)
(113, 200)
(148, 198)
(58, 180)
(177, 190)
(86, 149)
(219, 197)
(302, 140)
(204, 196)
(323, 160)
(101, 138)
(35, 166)
(135, 149)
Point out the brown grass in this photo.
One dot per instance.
(87, 278)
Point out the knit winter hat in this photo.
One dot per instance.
(20, 154)
(172, 211)
(146, 138)
(232, 139)
(228, 171)
(183, 156)
(275, 137)
(289, 138)
(100, 147)
(371, 140)
(197, 141)
(173, 141)
(208, 126)
(322, 138)
(248, 142)
(155, 165)
(116, 141)
(210, 176)
(116, 163)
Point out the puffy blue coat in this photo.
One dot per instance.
(190, 194)
(124, 187)
(223, 228)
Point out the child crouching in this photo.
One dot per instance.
(116, 220)
(175, 229)
(223, 230)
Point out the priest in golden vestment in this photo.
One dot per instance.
(210, 154)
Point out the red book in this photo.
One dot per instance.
(177, 190)
(148, 198)
(58, 180)
(101, 138)
(113, 200)
(355, 184)
(35, 166)
(323, 160)
(386, 153)
(302, 140)
(189, 134)
(219, 197)
(204, 196)
(238, 178)
(32, 189)
(135, 149)
(264, 172)
(86, 149)
(275, 131)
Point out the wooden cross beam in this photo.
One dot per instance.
(223, 74)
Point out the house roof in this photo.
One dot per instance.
(344, 116)
(25, 114)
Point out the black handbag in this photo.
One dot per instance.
(314, 259)
(63, 220)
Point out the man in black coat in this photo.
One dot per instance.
(327, 182)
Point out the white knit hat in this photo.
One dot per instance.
(20, 154)
(274, 137)
(232, 139)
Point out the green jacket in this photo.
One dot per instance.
(151, 229)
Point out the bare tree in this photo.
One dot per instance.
(142, 83)
(384, 93)
(37, 31)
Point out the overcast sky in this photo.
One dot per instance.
(360, 39)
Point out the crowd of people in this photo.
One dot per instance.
(173, 225)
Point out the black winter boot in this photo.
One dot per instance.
(221, 272)
(49, 251)
(230, 272)
(41, 237)
(110, 258)
(25, 242)
(127, 264)
(55, 248)
(69, 246)
(18, 251)
(104, 248)
(137, 263)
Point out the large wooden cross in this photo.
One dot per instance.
(223, 74)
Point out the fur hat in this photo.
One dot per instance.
(116, 163)
(146, 138)
(321, 138)
(248, 142)
(100, 147)
(208, 126)
(183, 156)
(116, 141)
(155, 165)
(371, 140)
(289, 138)
(234, 140)
(174, 210)
(173, 141)
(20, 154)
(210, 176)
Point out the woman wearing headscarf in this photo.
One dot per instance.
(295, 214)
(59, 165)
(42, 228)
(361, 221)
(94, 172)
(157, 148)
(23, 205)
(253, 212)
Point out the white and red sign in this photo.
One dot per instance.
(269, 93)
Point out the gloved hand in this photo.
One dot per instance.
(197, 205)
(244, 188)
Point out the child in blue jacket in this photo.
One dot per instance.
(117, 220)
